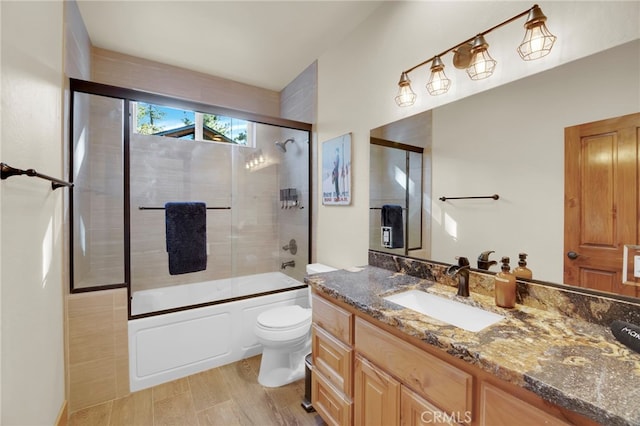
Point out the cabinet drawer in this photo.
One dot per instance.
(446, 386)
(332, 358)
(333, 407)
(332, 318)
(499, 408)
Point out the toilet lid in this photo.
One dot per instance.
(284, 317)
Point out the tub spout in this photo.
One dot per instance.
(291, 263)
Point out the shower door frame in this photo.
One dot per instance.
(131, 95)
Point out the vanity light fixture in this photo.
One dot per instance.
(438, 82)
(473, 56)
(254, 160)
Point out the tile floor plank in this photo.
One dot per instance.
(134, 409)
(98, 415)
(175, 410)
(229, 395)
(170, 389)
(208, 388)
(226, 413)
(256, 407)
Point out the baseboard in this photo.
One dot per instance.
(63, 416)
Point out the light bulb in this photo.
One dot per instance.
(406, 96)
(537, 41)
(438, 82)
(482, 64)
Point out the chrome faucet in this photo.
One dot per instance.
(461, 272)
(291, 263)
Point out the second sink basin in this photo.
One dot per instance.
(455, 313)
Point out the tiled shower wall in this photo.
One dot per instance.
(241, 241)
(98, 365)
(298, 101)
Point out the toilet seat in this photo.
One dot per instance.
(284, 318)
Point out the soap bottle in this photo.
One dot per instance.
(522, 271)
(505, 286)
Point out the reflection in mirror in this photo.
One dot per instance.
(396, 180)
(400, 174)
(510, 140)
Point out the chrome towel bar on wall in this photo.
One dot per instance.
(7, 171)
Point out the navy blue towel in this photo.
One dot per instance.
(186, 234)
(392, 217)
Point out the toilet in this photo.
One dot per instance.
(285, 334)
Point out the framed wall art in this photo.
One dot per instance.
(336, 171)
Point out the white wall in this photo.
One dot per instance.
(357, 80)
(31, 279)
(512, 143)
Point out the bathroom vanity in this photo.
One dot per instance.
(376, 362)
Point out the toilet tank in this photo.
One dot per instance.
(317, 268)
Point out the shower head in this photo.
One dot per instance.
(282, 145)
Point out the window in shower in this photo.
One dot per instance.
(160, 120)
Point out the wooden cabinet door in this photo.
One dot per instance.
(601, 202)
(417, 411)
(376, 396)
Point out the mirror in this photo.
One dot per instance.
(510, 141)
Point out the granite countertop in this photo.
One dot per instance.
(573, 363)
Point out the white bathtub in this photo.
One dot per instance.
(177, 344)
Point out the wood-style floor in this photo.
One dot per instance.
(227, 395)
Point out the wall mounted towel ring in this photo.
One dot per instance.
(7, 171)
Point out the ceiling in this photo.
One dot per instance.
(262, 43)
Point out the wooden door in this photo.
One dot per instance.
(601, 202)
(376, 396)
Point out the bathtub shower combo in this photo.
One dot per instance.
(176, 344)
(197, 279)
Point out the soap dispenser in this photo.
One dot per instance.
(522, 271)
(505, 286)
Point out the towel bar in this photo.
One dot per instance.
(162, 208)
(494, 196)
(7, 171)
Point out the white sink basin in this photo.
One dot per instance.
(455, 313)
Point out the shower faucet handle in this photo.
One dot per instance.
(292, 246)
